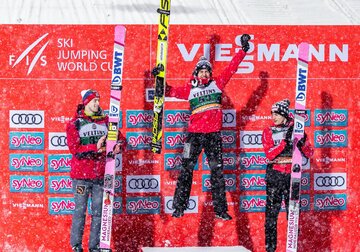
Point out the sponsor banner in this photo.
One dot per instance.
(228, 158)
(229, 118)
(28, 184)
(304, 203)
(118, 162)
(26, 162)
(228, 139)
(26, 205)
(330, 202)
(61, 206)
(60, 119)
(330, 138)
(253, 118)
(150, 93)
(143, 183)
(305, 163)
(60, 184)
(140, 162)
(331, 117)
(173, 161)
(176, 118)
(143, 205)
(330, 181)
(252, 203)
(117, 206)
(307, 116)
(27, 119)
(58, 141)
(59, 162)
(120, 125)
(305, 181)
(192, 206)
(250, 139)
(26, 140)
(175, 140)
(118, 184)
(252, 182)
(139, 118)
(230, 182)
(330, 159)
(253, 161)
(138, 140)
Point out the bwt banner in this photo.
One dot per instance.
(45, 67)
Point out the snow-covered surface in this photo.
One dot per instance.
(256, 12)
(198, 249)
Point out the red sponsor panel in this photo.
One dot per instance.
(45, 67)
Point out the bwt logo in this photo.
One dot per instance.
(28, 161)
(62, 205)
(253, 160)
(60, 184)
(143, 205)
(13, 61)
(28, 140)
(140, 118)
(177, 117)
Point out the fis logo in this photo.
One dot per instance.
(26, 55)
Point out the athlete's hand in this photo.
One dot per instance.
(101, 144)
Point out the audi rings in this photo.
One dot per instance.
(251, 139)
(191, 205)
(328, 181)
(58, 141)
(143, 183)
(29, 119)
(228, 118)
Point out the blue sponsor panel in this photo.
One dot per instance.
(305, 202)
(305, 181)
(118, 184)
(26, 162)
(230, 182)
(330, 202)
(59, 163)
(26, 140)
(143, 205)
(120, 125)
(139, 118)
(228, 139)
(61, 206)
(330, 138)
(138, 140)
(175, 140)
(252, 182)
(229, 161)
(173, 161)
(331, 117)
(176, 118)
(117, 206)
(253, 161)
(60, 184)
(252, 203)
(307, 116)
(31, 184)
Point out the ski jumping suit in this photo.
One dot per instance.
(204, 133)
(277, 178)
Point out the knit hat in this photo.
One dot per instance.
(203, 63)
(281, 108)
(88, 95)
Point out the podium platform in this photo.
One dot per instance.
(195, 249)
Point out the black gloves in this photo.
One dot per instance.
(288, 136)
(301, 142)
(156, 70)
(245, 42)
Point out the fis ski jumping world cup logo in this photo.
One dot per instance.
(143, 205)
(331, 117)
(139, 118)
(27, 162)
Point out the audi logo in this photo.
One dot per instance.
(58, 141)
(251, 139)
(30, 119)
(228, 118)
(145, 183)
(191, 205)
(327, 181)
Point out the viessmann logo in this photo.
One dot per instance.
(26, 55)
